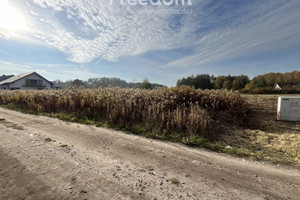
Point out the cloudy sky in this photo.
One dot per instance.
(68, 39)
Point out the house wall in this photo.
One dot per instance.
(3, 87)
(21, 83)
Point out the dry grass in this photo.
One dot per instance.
(183, 113)
(266, 138)
(182, 110)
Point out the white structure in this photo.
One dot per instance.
(277, 87)
(288, 108)
(26, 81)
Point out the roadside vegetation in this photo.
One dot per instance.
(219, 120)
(176, 113)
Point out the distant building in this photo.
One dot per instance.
(26, 81)
(277, 86)
(56, 85)
(4, 77)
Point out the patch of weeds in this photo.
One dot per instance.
(238, 151)
(174, 181)
(48, 140)
(102, 124)
(64, 145)
(15, 126)
(11, 125)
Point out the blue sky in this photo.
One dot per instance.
(69, 39)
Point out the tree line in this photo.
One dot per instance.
(108, 82)
(286, 80)
(206, 81)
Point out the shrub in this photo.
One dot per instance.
(182, 110)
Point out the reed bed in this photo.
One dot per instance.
(179, 110)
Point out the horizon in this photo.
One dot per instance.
(140, 81)
(163, 43)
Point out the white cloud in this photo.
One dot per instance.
(269, 28)
(100, 30)
(92, 30)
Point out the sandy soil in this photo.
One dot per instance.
(104, 164)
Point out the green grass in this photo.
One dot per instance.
(64, 145)
(137, 129)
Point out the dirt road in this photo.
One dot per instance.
(45, 158)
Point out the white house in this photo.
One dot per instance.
(26, 81)
(277, 86)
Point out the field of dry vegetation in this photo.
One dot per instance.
(215, 119)
(265, 138)
(183, 110)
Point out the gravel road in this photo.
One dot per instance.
(45, 158)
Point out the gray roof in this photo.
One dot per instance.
(4, 77)
(56, 84)
(19, 76)
(15, 78)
